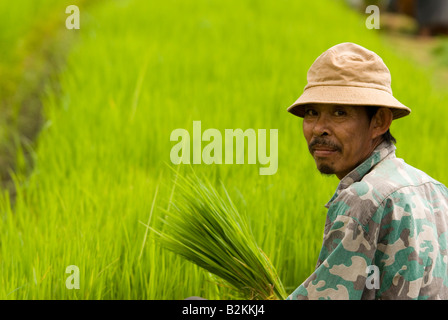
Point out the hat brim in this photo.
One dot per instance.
(345, 95)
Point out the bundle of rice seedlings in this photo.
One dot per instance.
(207, 229)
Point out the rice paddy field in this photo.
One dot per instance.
(98, 171)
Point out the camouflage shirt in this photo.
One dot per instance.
(386, 220)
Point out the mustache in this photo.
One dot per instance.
(323, 142)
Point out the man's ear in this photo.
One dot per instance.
(381, 122)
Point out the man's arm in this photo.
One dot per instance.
(346, 253)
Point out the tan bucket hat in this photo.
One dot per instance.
(351, 75)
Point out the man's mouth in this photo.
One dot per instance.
(323, 151)
(323, 148)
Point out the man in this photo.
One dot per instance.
(386, 233)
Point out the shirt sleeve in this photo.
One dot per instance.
(342, 269)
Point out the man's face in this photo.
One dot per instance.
(339, 137)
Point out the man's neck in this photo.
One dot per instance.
(374, 144)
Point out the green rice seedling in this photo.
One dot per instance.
(207, 229)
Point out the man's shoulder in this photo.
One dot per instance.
(390, 179)
(392, 175)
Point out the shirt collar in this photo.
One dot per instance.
(383, 150)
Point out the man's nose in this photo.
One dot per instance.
(321, 126)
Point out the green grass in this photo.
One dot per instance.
(32, 47)
(137, 71)
(441, 52)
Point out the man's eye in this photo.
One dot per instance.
(310, 112)
(340, 113)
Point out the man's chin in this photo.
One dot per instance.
(325, 169)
